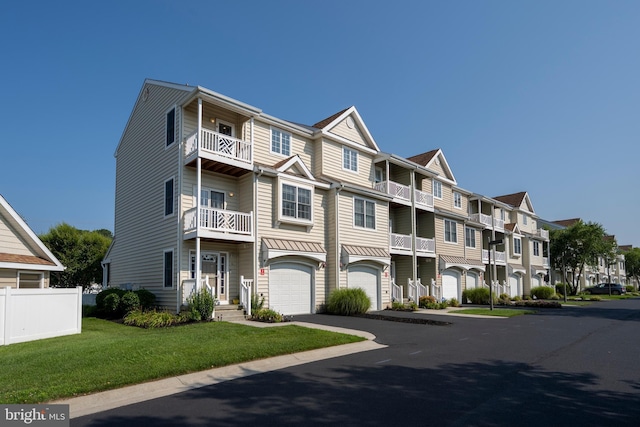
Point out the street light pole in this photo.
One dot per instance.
(492, 243)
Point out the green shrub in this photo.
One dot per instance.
(595, 298)
(453, 302)
(129, 302)
(413, 306)
(504, 299)
(538, 304)
(267, 315)
(542, 292)
(201, 304)
(476, 295)
(560, 288)
(527, 298)
(147, 298)
(100, 305)
(554, 297)
(629, 288)
(347, 302)
(425, 300)
(89, 310)
(504, 296)
(111, 305)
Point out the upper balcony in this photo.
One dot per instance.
(219, 224)
(542, 233)
(498, 224)
(401, 244)
(481, 218)
(219, 152)
(423, 200)
(399, 192)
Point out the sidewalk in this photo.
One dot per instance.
(103, 401)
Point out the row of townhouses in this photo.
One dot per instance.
(213, 192)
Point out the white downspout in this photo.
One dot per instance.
(179, 216)
(198, 192)
(338, 189)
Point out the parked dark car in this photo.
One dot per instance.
(603, 289)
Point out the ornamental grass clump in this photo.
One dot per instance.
(542, 292)
(348, 302)
(476, 295)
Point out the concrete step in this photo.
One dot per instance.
(228, 313)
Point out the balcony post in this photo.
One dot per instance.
(197, 197)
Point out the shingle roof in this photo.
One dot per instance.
(566, 222)
(514, 199)
(424, 158)
(24, 259)
(321, 124)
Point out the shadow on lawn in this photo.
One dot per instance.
(477, 394)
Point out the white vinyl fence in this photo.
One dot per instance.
(33, 314)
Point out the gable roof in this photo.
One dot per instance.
(512, 227)
(516, 200)
(326, 125)
(435, 157)
(43, 257)
(567, 222)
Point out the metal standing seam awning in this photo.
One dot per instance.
(274, 248)
(352, 253)
(449, 261)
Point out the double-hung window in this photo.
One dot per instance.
(280, 142)
(457, 200)
(349, 159)
(296, 202)
(536, 249)
(168, 268)
(517, 246)
(364, 213)
(450, 231)
(437, 189)
(470, 237)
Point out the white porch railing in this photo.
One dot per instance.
(394, 189)
(425, 245)
(500, 256)
(400, 241)
(436, 290)
(245, 294)
(416, 290)
(498, 223)
(423, 198)
(396, 292)
(189, 288)
(481, 218)
(219, 220)
(219, 144)
(545, 262)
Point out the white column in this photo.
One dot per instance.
(198, 192)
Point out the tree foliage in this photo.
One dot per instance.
(580, 245)
(80, 251)
(632, 263)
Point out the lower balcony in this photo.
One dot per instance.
(401, 244)
(219, 224)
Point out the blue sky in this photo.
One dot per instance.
(537, 96)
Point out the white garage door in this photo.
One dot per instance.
(472, 280)
(536, 281)
(361, 276)
(290, 288)
(450, 284)
(514, 282)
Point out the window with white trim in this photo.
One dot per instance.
(470, 237)
(437, 189)
(171, 127)
(524, 219)
(168, 197)
(517, 246)
(30, 280)
(450, 231)
(295, 202)
(280, 142)
(349, 159)
(364, 213)
(168, 268)
(536, 249)
(457, 200)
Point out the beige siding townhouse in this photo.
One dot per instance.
(25, 262)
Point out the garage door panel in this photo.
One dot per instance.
(450, 281)
(366, 278)
(514, 282)
(290, 288)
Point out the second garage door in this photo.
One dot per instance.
(450, 284)
(361, 276)
(290, 287)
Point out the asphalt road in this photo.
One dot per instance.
(560, 367)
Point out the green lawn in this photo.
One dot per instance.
(107, 355)
(500, 312)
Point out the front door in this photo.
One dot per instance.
(213, 270)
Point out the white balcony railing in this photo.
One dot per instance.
(219, 144)
(219, 220)
(498, 223)
(396, 292)
(423, 199)
(425, 245)
(416, 290)
(481, 218)
(542, 233)
(545, 262)
(500, 256)
(394, 189)
(400, 241)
